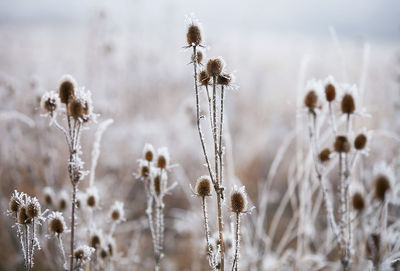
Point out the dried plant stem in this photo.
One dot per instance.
(332, 116)
(74, 190)
(26, 248)
(32, 240)
(207, 232)
(237, 244)
(344, 215)
(60, 244)
(221, 123)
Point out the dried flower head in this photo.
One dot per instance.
(50, 102)
(66, 89)
(148, 152)
(200, 56)
(117, 213)
(215, 67)
(159, 181)
(48, 195)
(83, 253)
(193, 34)
(330, 92)
(144, 169)
(15, 202)
(348, 105)
(324, 155)
(341, 144)
(56, 223)
(382, 185)
(311, 100)
(238, 200)
(76, 109)
(95, 239)
(63, 201)
(92, 197)
(162, 158)
(33, 208)
(204, 79)
(358, 201)
(360, 141)
(224, 79)
(203, 186)
(22, 216)
(103, 253)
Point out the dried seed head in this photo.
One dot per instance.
(56, 223)
(103, 253)
(348, 104)
(382, 185)
(162, 158)
(50, 102)
(148, 152)
(144, 170)
(76, 109)
(199, 56)
(83, 253)
(92, 197)
(203, 186)
(341, 144)
(324, 155)
(159, 181)
(193, 35)
(117, 212)
(224, 79)
(48, 195)
(95, 240)
(330, 92)
(63, 201)
(311, 100)
(33, 208)
(157, 184)
(15, 202)
(79, 254)
(358, 201)
(22, 216)
(66, 90)
(373, 247)
(91, 201)
(215, 67)
(111, 246)
(204, 79)
(360, 142)
(238, 200)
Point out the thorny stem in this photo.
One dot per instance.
(74, 189)
(207, 231)
(237, 243)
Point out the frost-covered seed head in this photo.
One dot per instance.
(56, 223)
(76, 109)
(162, 158)
(48, 195)
(91, 201)
(215, 67)
(50, 102)
(382, 185)
(83, 253)
(148, 152)
(360, 142)
(144, 170)
(15, 202)
(103, 253)
(330, 92)
(193, 35)
(95, 240)
(238, 201)
(341, 144)
(204, 79)
(324, 155)
(92, 197)
(224, 79)
(33, 208)
(117, 211)
(203, 186)
(63, 201)
(311, 100)
(66, 90)
(348, 105)
(199, 56)
(358, 201)
(22, 216)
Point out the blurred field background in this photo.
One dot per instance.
(130, 55)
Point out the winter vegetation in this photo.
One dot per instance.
(198, 151)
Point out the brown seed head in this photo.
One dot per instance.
(311, 100)
(348, 105)
(199, 56)
(341, 144)
(149, 155)
(144, 171)
(62, 204)
(358, 201)
(161, 161)
(373, 247)
(33, 209)
(203, 186)
(238, 202)
(103, 253)
(204, 79)
(14, 204)
(157, 184)
(91, 201)
(214, 67)
(22, 216)
(193, 35)
(66, 90)
(115, 215)
(76, 109)
(382, 185)
(360, 142)
(324, 155)
(224, 79)
(56, 225)
(95, 240)
(330, 92)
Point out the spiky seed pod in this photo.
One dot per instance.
(162, 158)
(360, 142)
(215, 67)
(311, 100)
(204, 79)
(83, 253)
(91, 201)
(358, 201)
(157, 184)
(22, 216)
(330, 92)
(50, 102)
(238, 201)
(348, 105)
(341, 144)
(324, 155)
(103, 253)
(33, 208)
(203, 186)
(95, 240)
(79, 254)
(62, 203)
(144, 171)
(14, 203)
(56, 223)
(76, 109)
(382, 185)
(199, 56)
(224, 79)
(66, 89)
(193, 35)
(48, 195)
(148, 152)
(117, 211)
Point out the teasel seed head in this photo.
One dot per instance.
(148, 152)
(56, 223)
(144, 170)
(159, 182)
(311, 100)
(48, 195)
(103, 253)
(341, 144)
(215, 67)
(66, 89)
(238, 200)
(15, 202)
(33, 208)
(63, 201)
(117, 212)
(330, 92)
(203, 186)
(193, 35)
(83, 253)
(95, 240)
(358, 201)
(360, 142)
(324, 155)
(50, 102)
(162, 158)
(224, 79)
(348, 105)
(382, 185)
(76, 109)
(204, 79)
(200, 56)
(22, 216)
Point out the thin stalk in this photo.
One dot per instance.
(60, 244)
(237, 244)
(207, 232)
(32, 244)
(221, 123)
(26, 248)
(74, 190)
(344, 256)
(332, 116)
